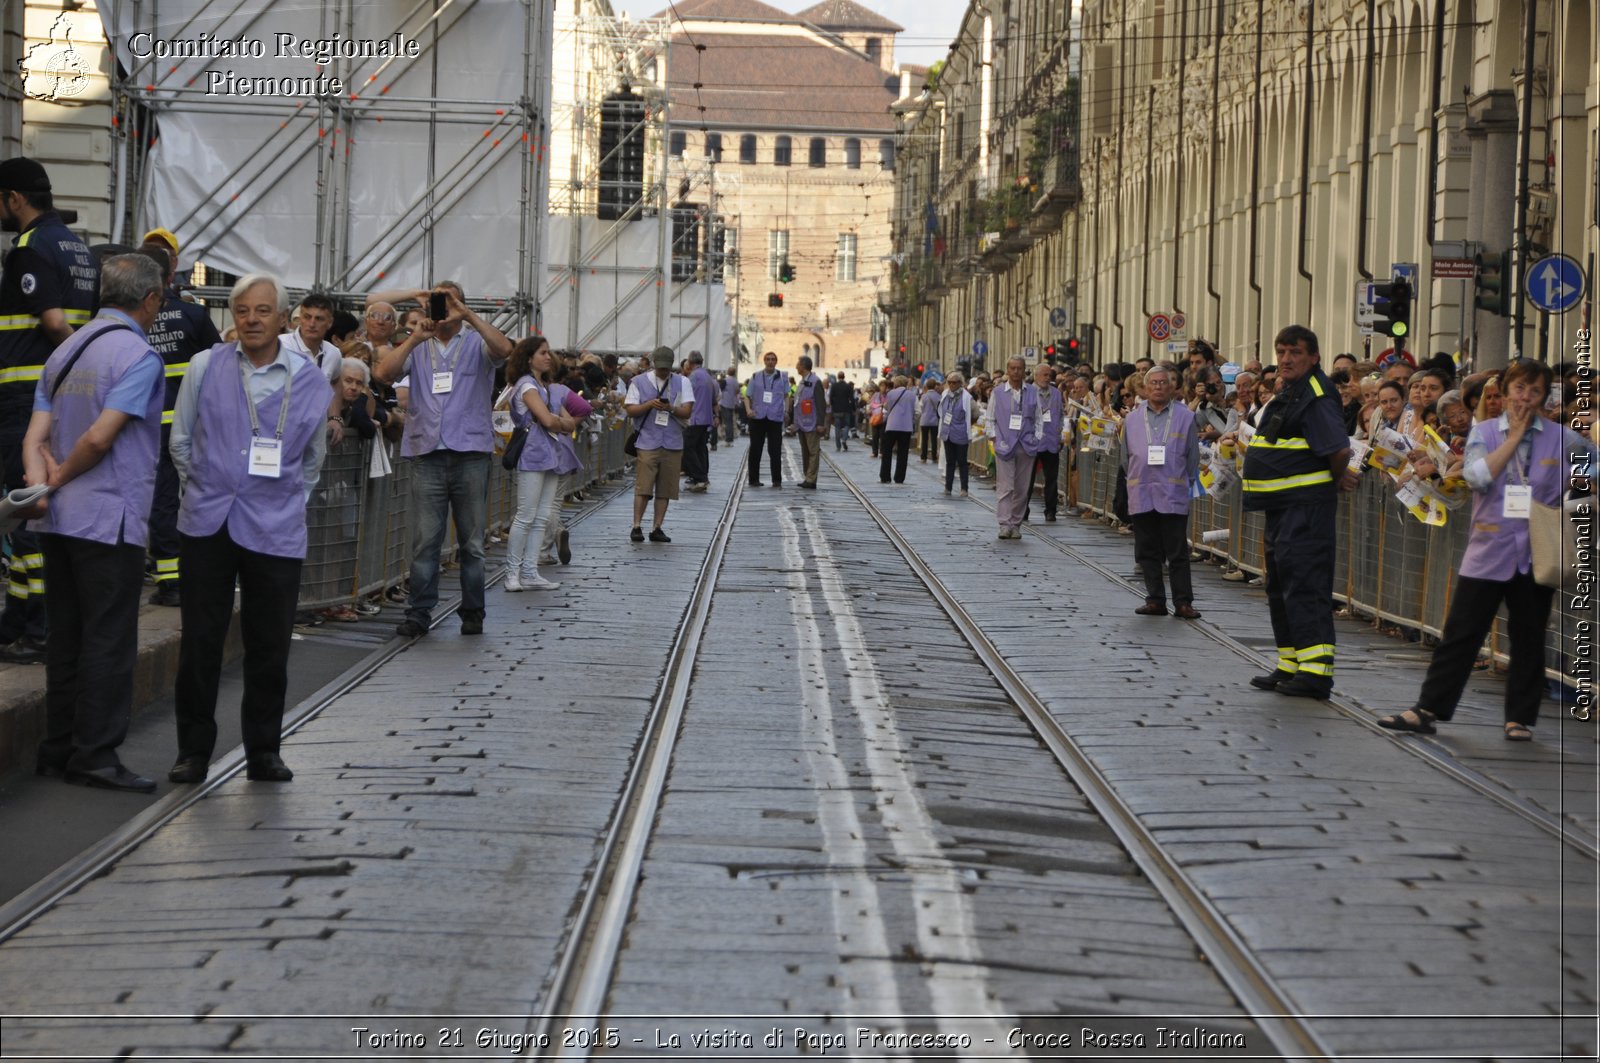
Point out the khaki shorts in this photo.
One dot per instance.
(656, 474)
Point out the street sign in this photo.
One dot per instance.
(1454, 269)
(1058, 317)
(1031, 353)
(1405, 271)
(1159, 326)
(1364, 306)
(1177, 348)
(1179, 323)
(1556, 283)
(980, 348)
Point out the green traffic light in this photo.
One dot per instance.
(1398, 329)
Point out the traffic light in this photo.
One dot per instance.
(1086, 342)
(775, 299)
(1050, 353)
(887, 370)
(921, 369)
(1391, 310)
(1492, 283)
(902, 350)
(785, 272)
(1074, 350)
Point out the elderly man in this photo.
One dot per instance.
(659, 402)
(1161, 455)
(248, 440)
(1045, 442)
(1010, 421)
(702, 423)
(1296, 464)
(809, 414)
(94, 442)
(766, 394)
(449, 438)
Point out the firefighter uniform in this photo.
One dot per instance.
(1287, 475)
(48, 268)
(181, 330)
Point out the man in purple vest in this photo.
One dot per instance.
(449, 438)
(766, 394)
(93, 438)
(1013, 412)
(1045, 443)
(809, 413)
(248, 437)
(728, 405)
(659, 403)
(702, 422)
(1161, 455)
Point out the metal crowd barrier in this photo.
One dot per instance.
(1389, 566)
(359, 525)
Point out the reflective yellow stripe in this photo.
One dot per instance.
(18, 321)
(33, 560)
(177, 368)
(18, 590)
(1295, 443)
(1288, 483)
(35, 586)
(166, 417)
(1316, 387)
(1286, 661)
(79, 317)
(166, 577)
(1324, 650)
(166, 564)
(21, 374)
(1317, 667)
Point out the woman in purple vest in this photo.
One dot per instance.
(536, 408)
(900, 415)
(248, 439)
(955, 428)
(928, 422)
(1512, 461)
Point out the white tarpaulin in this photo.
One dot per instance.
(235, 173)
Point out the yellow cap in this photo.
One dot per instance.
(165, 236)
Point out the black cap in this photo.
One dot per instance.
(23, 175)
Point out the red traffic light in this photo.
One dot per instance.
(886, 370)
(921, 368)
(1049, 350)
(902, 348)
(1072, 346)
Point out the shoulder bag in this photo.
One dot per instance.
(1553, 535)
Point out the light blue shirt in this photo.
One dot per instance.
(131, 394)
(263, 381)
(1475, 457)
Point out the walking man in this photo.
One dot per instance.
(810, 417)
(842, 411)
(1161, 455)
(1045, 442)
(659, 402)
(702, 423)
(728, 404)
(93, 437)
(1013, 413)
(766, 395)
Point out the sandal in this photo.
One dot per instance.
(1516, 732)
(1412, 721)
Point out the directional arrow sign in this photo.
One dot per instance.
(1556, 283)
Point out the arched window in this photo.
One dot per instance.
(874, 49)
(714, 147)
(852, 154)
(676, 143)
(780, 151)
(747, 149)
(819, 151)
(886, 153)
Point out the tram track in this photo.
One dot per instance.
(19, 912)
(587, 954)
(1255, 988)
(1429, 752)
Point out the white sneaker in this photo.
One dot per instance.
(512, 585)
(546, 559)
(537, 582)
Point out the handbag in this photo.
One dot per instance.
(630, 443)
(514, 446)
(1553, 535)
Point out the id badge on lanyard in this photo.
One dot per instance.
(1155, 454)
(766, 398)
(663, 417)
(443, 381)
(266, 458)
(1016, 422)
(947, 417)
(1518, 502)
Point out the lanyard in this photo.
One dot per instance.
(437, 353)
(249, 403)
(1149, 433)
(1522, 468)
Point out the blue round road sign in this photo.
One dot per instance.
(1058, 317)
(1555, 284)
(980, 348)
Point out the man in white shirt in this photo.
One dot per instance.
(310, 339)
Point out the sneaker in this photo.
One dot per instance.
(564, 547)
(539, 583)
(546, 559)
(370, 607)
(167, 594)
(472, 625)
(1237, 575)
(963, 494)
(659, 536)
(512, 584)
(410, 629)
(637, 534)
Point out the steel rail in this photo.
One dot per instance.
(1268, 1004)
(592, 940)
(1427, 751)
(19, 912)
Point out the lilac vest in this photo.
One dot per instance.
(810, 390)
(461, 420)
(758, 386)
(900, 410)
(1046, 435)
(1006, 440)
(705, 397)
(539, 453)
(654, 436)
(730, 392)
(1498, 547)
(261, 514)
(111, 502)
(930, 409)
(1159, 488)
(959, 428)
(566, 447)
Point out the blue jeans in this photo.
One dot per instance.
(448, 483)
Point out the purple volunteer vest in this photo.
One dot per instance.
(900, 410)
(1046, 435)
(930, 409)
(808, 391)
(758, 385)
(461, 420)
(1498, 547)
(262, 514)
(959, 429)
(111, 502)
(654, 436)
(705, 398)
(566, 447)
(1159, 488)
(730, 392)
(1007, 439)
(539, 453)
